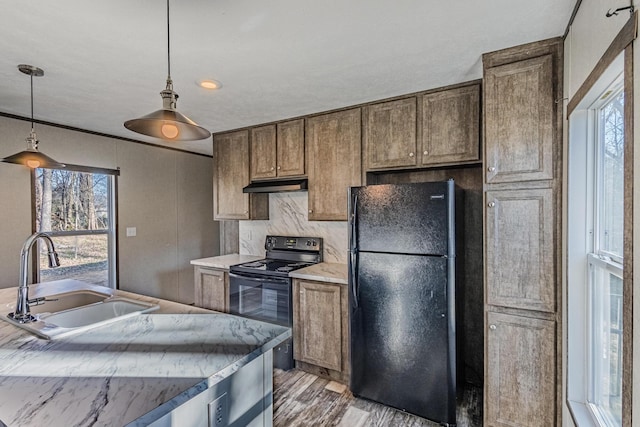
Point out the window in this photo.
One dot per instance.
(77, 210)
(604, 277)
(595, 254)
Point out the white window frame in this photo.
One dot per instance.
(581, 241)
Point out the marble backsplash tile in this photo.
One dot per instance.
(288, 216)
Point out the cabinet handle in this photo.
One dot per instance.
(278, 167)
(410, 154)
(310, 210)
(272, 168)
(492, 327)
(219, 279)
(491, 169)
(426, 153)
(491, 204)
(246, 212)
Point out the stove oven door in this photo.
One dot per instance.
(261, 298)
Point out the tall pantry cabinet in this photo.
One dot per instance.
(522, 196)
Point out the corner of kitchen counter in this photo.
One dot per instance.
(331, 272)
(225, 261)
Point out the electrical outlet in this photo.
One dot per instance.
(219, 412)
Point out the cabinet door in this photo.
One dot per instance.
(263, 152)
(212, 289)
(333, 153)
(521, 375)
(291, 148)
(519, 121)
(231, 167)
(318, 324)
(520, 249)
(390, 134)
(450, 125)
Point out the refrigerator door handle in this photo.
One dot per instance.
(353, 261)
(353, 252)
(354, 223)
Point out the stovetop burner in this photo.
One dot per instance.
(254, 264)
(274, 265)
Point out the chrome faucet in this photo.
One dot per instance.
(22, 313)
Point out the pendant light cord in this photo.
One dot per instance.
(31, 75)
(168, 46)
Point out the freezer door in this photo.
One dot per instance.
(408, 218)
(401, 334)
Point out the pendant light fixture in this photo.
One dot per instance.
(31, 157)
(168, 123)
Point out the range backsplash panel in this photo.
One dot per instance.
(288, 216)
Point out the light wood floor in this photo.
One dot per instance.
(303, 399)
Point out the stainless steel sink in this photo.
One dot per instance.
(77, 311)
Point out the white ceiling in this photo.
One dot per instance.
(105, 61)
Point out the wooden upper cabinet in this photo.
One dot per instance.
(520, 112)
(231, 175)
(450, 125)
(521, 383)
(390, 134)
(277, 150)
(520, 250)
(333, 144)
(435, 128)
(263, 152)
(290, 144)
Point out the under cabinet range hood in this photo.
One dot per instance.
(279, 186)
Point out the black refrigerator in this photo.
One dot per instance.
(402, 296)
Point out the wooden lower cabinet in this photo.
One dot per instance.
(520, 388)
(212, 289)
(320, 328)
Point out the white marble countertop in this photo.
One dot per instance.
(324, 272)
(224, 261)
(115, 374)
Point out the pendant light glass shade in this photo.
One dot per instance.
(31, 157)
(167, 123)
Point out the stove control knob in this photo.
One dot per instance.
(314, 243)
(308, 242)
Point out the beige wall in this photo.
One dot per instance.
(165, 194)
(590, 35)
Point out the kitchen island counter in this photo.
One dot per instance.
(134, 371)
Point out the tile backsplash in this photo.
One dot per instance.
(288, 216)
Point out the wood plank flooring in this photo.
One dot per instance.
(303, 399)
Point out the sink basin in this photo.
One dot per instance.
(67, 300)
(115, 308)
(72, 312)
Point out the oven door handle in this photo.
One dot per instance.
(260, 279)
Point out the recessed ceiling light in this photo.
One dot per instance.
(209, 84)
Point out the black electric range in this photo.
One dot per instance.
(261, 289)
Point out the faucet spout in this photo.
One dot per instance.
(22, 313)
